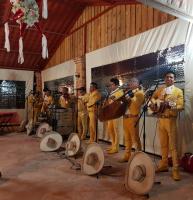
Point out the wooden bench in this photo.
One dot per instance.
(6, 121)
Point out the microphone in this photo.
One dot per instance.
(149, 92)
(106, 96)
(124, 86)
(158, 80)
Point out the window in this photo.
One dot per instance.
(12, 94)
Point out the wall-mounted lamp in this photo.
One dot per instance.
(77, 74)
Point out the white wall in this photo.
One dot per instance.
(168, 35)
(59, 71)
(18, 75)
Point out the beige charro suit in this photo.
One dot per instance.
(167, 124)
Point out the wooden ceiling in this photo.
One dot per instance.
(62, 14)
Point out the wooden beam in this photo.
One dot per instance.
(19, 68)
(105, 2)
(25, 52)
(34, 29)
(43, 63)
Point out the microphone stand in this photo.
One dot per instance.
(143, 113)
(99, 102)
(144, 121)
(96, 139)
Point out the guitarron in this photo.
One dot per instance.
(117, 106)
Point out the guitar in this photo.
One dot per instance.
(158, 106)
(117, 104)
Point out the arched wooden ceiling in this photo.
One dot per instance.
(62, 16)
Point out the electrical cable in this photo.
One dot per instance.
(75, 165)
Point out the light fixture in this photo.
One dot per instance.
(77, 74)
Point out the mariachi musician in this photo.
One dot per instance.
(131, 130)
(112, 125)
(65, 100)
(82, 112)
(94, 98)
(172, 102)
(48, 101)
(35, 100)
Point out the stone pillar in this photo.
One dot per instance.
(38, 79)
(80, 74)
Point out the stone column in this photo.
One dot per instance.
(38, 81)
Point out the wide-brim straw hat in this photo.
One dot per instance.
(140, 174)
(72, 145)
(93, 159)
(51, 141)
(42, 129)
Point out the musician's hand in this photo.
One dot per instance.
(167, 104)
(129, 94)
(113, 98)
(153, 107)
(172, 104)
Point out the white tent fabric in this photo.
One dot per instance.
(168, 35)
(179, 8)
(62, 70)
(184, 6)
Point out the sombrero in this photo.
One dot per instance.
(140, 174)
(93, 159)
(42, 129)
(51, 141)
(72, 145)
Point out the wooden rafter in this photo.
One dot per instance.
(63, 14)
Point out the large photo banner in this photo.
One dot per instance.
(55, 86)
(149, 69)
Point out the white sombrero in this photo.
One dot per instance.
(140, 174)
(42, 129)
(51, 141)
(93, 159)
(72, 145)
